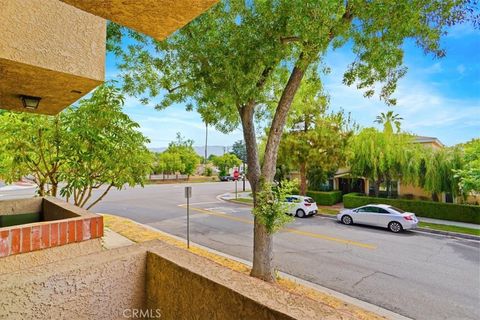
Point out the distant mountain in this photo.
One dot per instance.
(216, 150)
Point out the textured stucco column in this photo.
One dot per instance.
(50, 50)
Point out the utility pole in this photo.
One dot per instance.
(206, 148)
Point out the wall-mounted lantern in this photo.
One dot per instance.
(51, 50)
(29, 102)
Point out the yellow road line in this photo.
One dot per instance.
(290, 230)
(324, 237)
(223, 215)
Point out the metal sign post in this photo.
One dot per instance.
(236, 174)
(188, 195)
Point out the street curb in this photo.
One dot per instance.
(448, 233)
(425, 230)
(346, 298)
(418, 230)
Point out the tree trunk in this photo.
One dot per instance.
(278, 123)
(303, 179)
(377, 188)
(54, 189)
(262, 240)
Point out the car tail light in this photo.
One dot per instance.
(408, 218)
(307, 204)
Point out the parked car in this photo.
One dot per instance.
(379, 215)
(301, 206)
(226, 178)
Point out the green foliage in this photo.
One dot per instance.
(383, 156)
(226, 162)
(270, 206)
(326, 198)
(180, 156)
(437, 167)
(32, 145)
(388, 120)
(104, 147)
(469, 175)
(208, 172)
(239, 149)
(87, 146)
(244, 60)
(315, 140)
(429, 209)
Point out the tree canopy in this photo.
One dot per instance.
(469, 175)
(226, 162)
(88, 146)
(245, 60)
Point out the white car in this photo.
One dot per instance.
(301, 206)
(380, 215)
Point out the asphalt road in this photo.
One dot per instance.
(417, 275)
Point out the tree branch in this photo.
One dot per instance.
(101, 197)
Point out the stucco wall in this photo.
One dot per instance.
(35, 258)
(54, 36)
(50, 50)
(185, 286)
(405, 189)
(153, 277)
(95, 286)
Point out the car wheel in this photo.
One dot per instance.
(395, 226)
(347, 220)
(300, 213)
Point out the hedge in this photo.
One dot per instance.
(428, 209)
(326, 198)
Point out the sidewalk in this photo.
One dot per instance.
(450, 223)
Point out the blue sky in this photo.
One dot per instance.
(437, 97)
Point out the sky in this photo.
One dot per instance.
(437, 97)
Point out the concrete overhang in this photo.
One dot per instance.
(50, 50)
(156, 18)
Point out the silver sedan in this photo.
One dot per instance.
(379, 215)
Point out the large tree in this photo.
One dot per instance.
(315, 137)
(388, 120)
(469, 175)
(88, 146)
(226, 162)
(242, 56)
(383, 157)
(183, 150)
(103, 148)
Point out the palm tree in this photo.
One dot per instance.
(387, 119)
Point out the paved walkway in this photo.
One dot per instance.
(450, 223)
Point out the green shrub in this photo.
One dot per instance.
(208, 172)
(428, 209)
(326, 198)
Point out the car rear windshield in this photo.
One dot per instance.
(397, 209)
(309, 200)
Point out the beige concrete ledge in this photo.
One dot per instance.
(50, 50)
(156, 18)
(151, 276)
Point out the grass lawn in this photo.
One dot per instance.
(444, 227)
(332, 212)
(243, 200)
